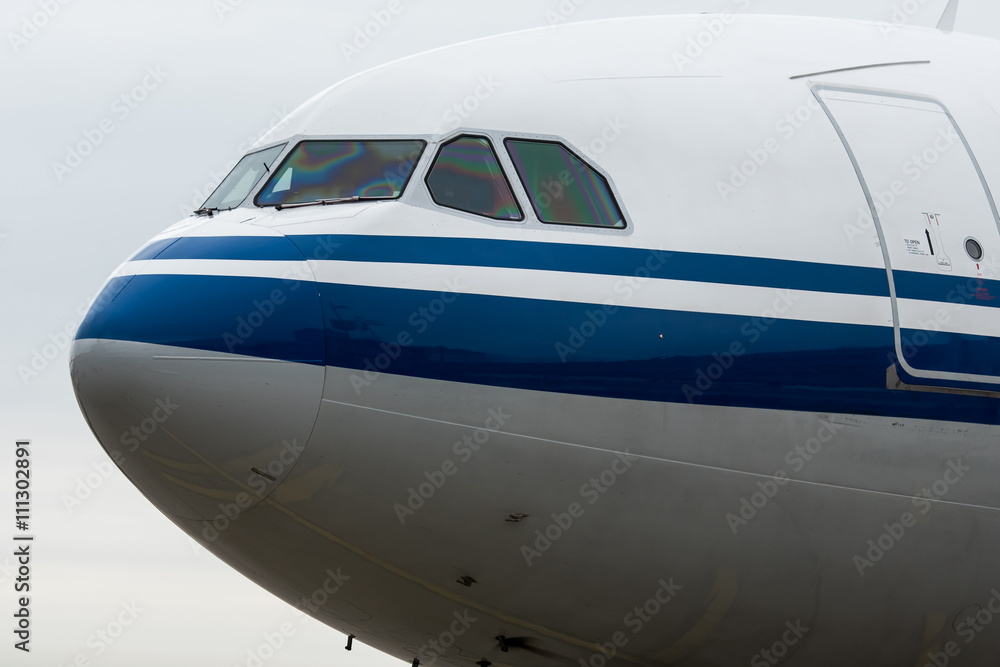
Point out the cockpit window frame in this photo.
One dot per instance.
(440, 147)
(600, 173)
(255, 188)
(415, 191)
(296, 142)
(419, 195)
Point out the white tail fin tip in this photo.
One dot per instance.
(947, 22)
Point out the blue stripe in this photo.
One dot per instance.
(259, 248)
(604, 260)
(257, 317)
(628, 353)
(152, 250)
(946, 288)
(951, 352)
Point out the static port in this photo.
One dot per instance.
(974, 248)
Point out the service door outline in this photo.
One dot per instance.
(927, 196)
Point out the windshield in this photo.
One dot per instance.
(328, 170)
(242, 179)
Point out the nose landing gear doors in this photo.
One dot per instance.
(932, 209)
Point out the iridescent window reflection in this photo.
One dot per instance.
(564, 189)
(467, 176)
(325, 170)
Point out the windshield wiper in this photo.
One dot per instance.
(328, 202)
(211, 210)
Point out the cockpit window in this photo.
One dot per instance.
(242, 179)
(467, 176)
(564, 189)
(333, 171)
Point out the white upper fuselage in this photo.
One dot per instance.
(754, 332)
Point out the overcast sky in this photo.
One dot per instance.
(217, 73)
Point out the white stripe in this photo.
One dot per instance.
(238, 268)
(679, 295)
(950, 317)
(658, 294)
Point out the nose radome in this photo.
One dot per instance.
(202, 378)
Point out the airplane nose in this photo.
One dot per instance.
(201, 373)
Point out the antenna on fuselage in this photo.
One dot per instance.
(947, 22)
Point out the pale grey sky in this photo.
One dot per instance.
(217, 74)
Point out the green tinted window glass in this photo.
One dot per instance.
(467, 176)
(242, 179)
(318, 170)
(564, 189)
